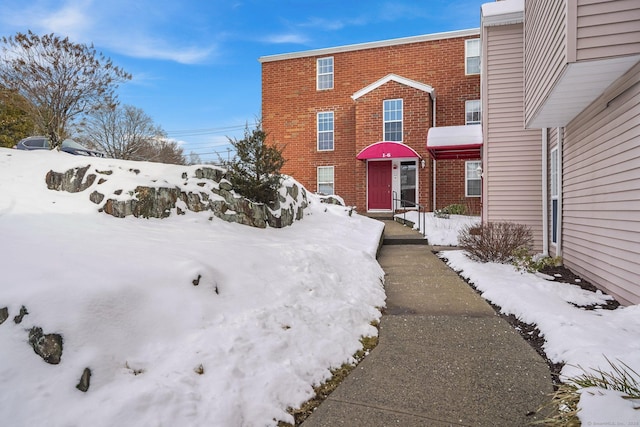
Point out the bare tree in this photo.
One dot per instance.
(123, 132)
(163, 150)
(60, 80)
(194, 158)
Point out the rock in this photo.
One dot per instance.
(85, 380)
(225, 185)
(4, 314)
(48, 346)
(23, 312)
(331, 200)
(96, 197)
(196, 281)
(160, 201)
(71, 181)
(214, 174)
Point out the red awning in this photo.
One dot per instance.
(455, 142)
(386, 150)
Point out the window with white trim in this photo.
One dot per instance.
(324, 70)
(392, 113)
(472, 181)
(325, 180)
(472, 56)
(325, 131)
(472, 112)
(554, 194)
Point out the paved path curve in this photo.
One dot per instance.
(444, 357)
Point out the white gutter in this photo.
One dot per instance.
(545, 194)
(560, 215)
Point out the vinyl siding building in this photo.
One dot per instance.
(578, 142)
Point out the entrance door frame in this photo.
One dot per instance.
(395, 182)
(390, 185)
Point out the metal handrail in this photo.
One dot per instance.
(421, 211)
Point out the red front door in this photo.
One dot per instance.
(379, 185)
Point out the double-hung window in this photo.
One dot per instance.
(392, 120)
(472, 182)
(472, 112)
(472, 56)
(324, 67)
(325, 180)
(325, 131)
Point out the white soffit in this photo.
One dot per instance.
(402, 80)
(580, 84)
(502, 12)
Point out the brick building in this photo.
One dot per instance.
(355, 119)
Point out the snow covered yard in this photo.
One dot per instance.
(439, 231)
(273, 311)
(582, 339)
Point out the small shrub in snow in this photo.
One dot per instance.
(494, 241)
(525, 261)
(455, 209)
(566, 399)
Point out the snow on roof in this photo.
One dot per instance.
(451, 136)
(502, 12)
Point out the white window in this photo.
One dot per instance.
(554, 195)
(472, 112)
(325, 131)
(472, 56)
(324, 67)
(392, 112)
(472, 181)
(325, 180)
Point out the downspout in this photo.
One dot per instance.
(545, 194)
(560, 215)
(433, 190)
(433, 202)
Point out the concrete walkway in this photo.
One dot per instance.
(444, 357)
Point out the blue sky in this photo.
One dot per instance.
(195, 62)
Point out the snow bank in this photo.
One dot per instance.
(273, 311)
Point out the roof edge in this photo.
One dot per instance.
(396, 78)
(502, 13)
(371, 45)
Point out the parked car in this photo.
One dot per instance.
(33, 143)
(72, 147)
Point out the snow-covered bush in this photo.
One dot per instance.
(494, 241)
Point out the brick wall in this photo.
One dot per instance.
(290, 103)
(450, 188)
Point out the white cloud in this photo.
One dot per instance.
(71, 20)
(123, 27)
(285, 38)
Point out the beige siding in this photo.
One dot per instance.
(601, 200)
(513, 155)
(546, 50)
(607, 28)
